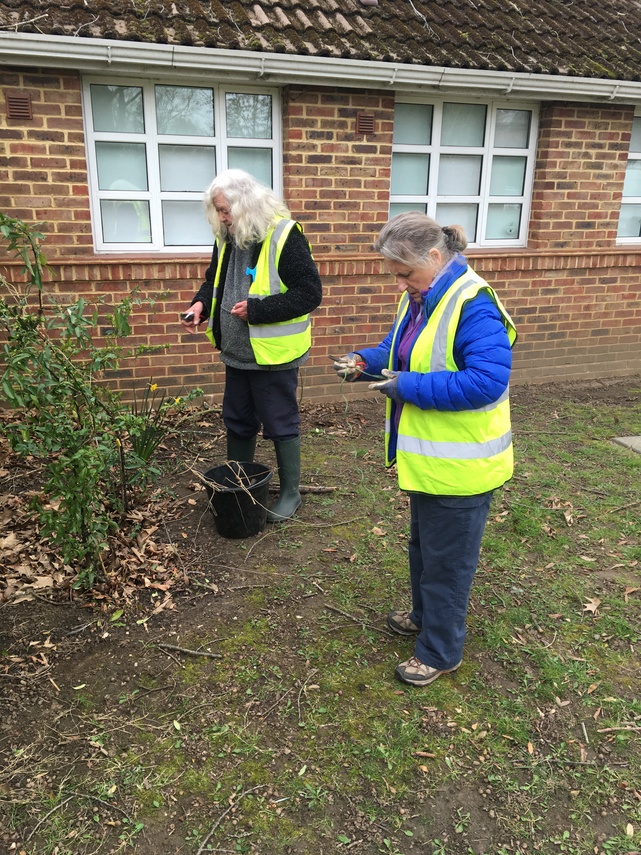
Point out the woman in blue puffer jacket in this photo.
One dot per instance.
(444, 368)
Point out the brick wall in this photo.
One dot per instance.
(43, 169)
(574, 296)
(581, 159)
(335, 180)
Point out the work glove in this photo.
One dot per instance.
(388, 386)
(349, 367)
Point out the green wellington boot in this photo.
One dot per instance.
(288, 459)
(240, 448)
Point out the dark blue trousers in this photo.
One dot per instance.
(269, 398)
(445, 541)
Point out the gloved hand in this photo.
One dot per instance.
(389, 386)
(349, 367)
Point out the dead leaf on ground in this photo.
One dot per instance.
(592, 605)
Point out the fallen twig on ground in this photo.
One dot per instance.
(189, 652)
(356, 620)
(224, 814)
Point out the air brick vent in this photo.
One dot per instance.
(365, 123)
(19, 105)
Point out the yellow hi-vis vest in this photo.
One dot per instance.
(446, 453)
(273, 344)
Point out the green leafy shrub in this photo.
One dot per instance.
(95, 450)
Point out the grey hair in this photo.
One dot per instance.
(254, 207)
(409, 237)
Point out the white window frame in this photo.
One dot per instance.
(631, 200)
(431, 200)
(154, 195)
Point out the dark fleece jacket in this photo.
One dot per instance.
(297, 270)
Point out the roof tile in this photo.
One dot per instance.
(587, 38)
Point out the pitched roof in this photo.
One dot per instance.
(577, 38)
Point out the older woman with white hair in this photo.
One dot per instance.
(258, 293)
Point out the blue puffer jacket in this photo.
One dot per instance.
(481, 351)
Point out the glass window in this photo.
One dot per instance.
(257, 161)
(186, 167)
(503, 221)
(630, 214)
(154, 149)
(401, 207)
(180, 218)
(635, 140)
(508, 176)
(512, 128)
(459, 175)
(466, 164)
(185, 110)
(117, 109)
(463, 125)
(630, 221)
(410, 174)
(413, 124)
(462, 215)
(121, 166)
(632, 183)
(125, 221)
(249, 116)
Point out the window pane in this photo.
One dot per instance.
(185, 110)
(630, 221)
(463, 124)
(413, 124)
(512, 128)
(503, 222)
(184, 224)
(256, 161)
(508, 176)
(635, 140)
(186, 167)
(249, 116)
(459, 175)
(632, 183)
(462, 215)
(121, 166)
(125, 222)
(117, 109)
(410, 174)
(400, 208)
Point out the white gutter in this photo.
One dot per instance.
(114, 57)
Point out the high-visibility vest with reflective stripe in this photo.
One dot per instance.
(445, 453)
(277, 343)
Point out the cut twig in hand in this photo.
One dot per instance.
(224, 814)
(189, 652)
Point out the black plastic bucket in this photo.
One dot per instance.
(238, 494)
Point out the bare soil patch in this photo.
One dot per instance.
(179, 580)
